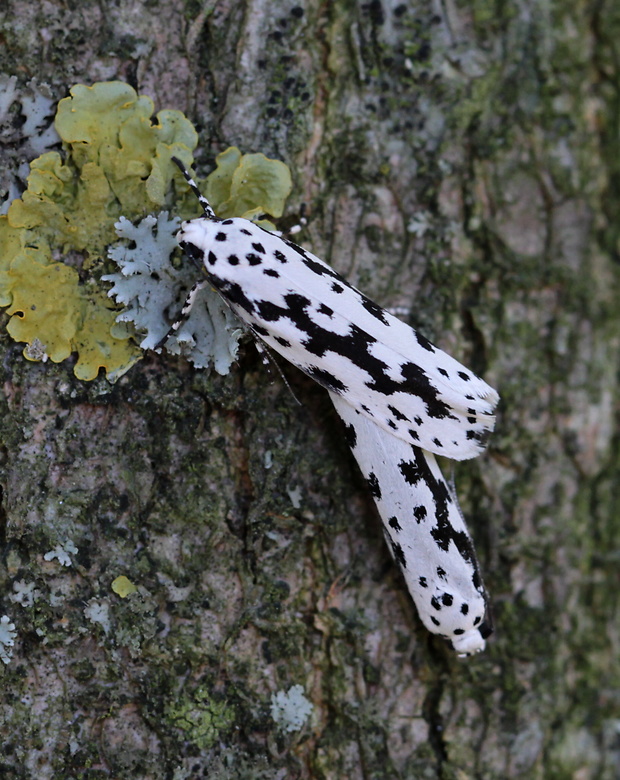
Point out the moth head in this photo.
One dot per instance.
(196, 237)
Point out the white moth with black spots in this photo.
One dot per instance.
(424, 529)
(400, 397)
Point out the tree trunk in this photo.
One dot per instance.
(459, 162)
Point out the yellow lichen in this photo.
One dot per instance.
(115, 162)
(97, 348)
(247, 185)
(46, 301)
(123, 586)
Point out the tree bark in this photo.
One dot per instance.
(460, 162)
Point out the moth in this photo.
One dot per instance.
(402, 400)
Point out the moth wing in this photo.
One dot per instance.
(424, 529)
(377, 363)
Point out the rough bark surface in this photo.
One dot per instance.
(458, 159)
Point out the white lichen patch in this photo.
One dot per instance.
(32, 137)
(62, 552)
(296, 496)
(24, 593)
(36, 351)
(98, 612)
(8, 95)
(154, 291)
(7, 638)
(290, 709)
(419, 224)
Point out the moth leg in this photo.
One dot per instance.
(184, 313)
(269, 361)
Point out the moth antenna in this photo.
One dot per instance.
(269, 360)
(206, 206)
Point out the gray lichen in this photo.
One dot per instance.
(153, 291)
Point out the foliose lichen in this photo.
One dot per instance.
(7, 638)
(153, 289)
(62, 552)
(115, 162)
(30, 137)
(123, 586)
(290, 709)
(150, 287)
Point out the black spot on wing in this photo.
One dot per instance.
(233, 292)
(419, 512)
(315, 265)
(326, 379)
(280, 256)
(321, 270)
(253, 259)
(435, 603)
(374, 309)
(393, 523)
(482, 437)
(233, 260)
(464, 609)
(411, 471)
(422, 581)
(424, 342)
(282, 341)
(373, 484)
(271, 272)
(272, 312)
(397, 413)
(443, 532)
(323, 309)
(221, 236)
(258, 247)
(447, 599)
(399, 555)
(350, 435)
(355, 346)
(465, 377)
(417, 382)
